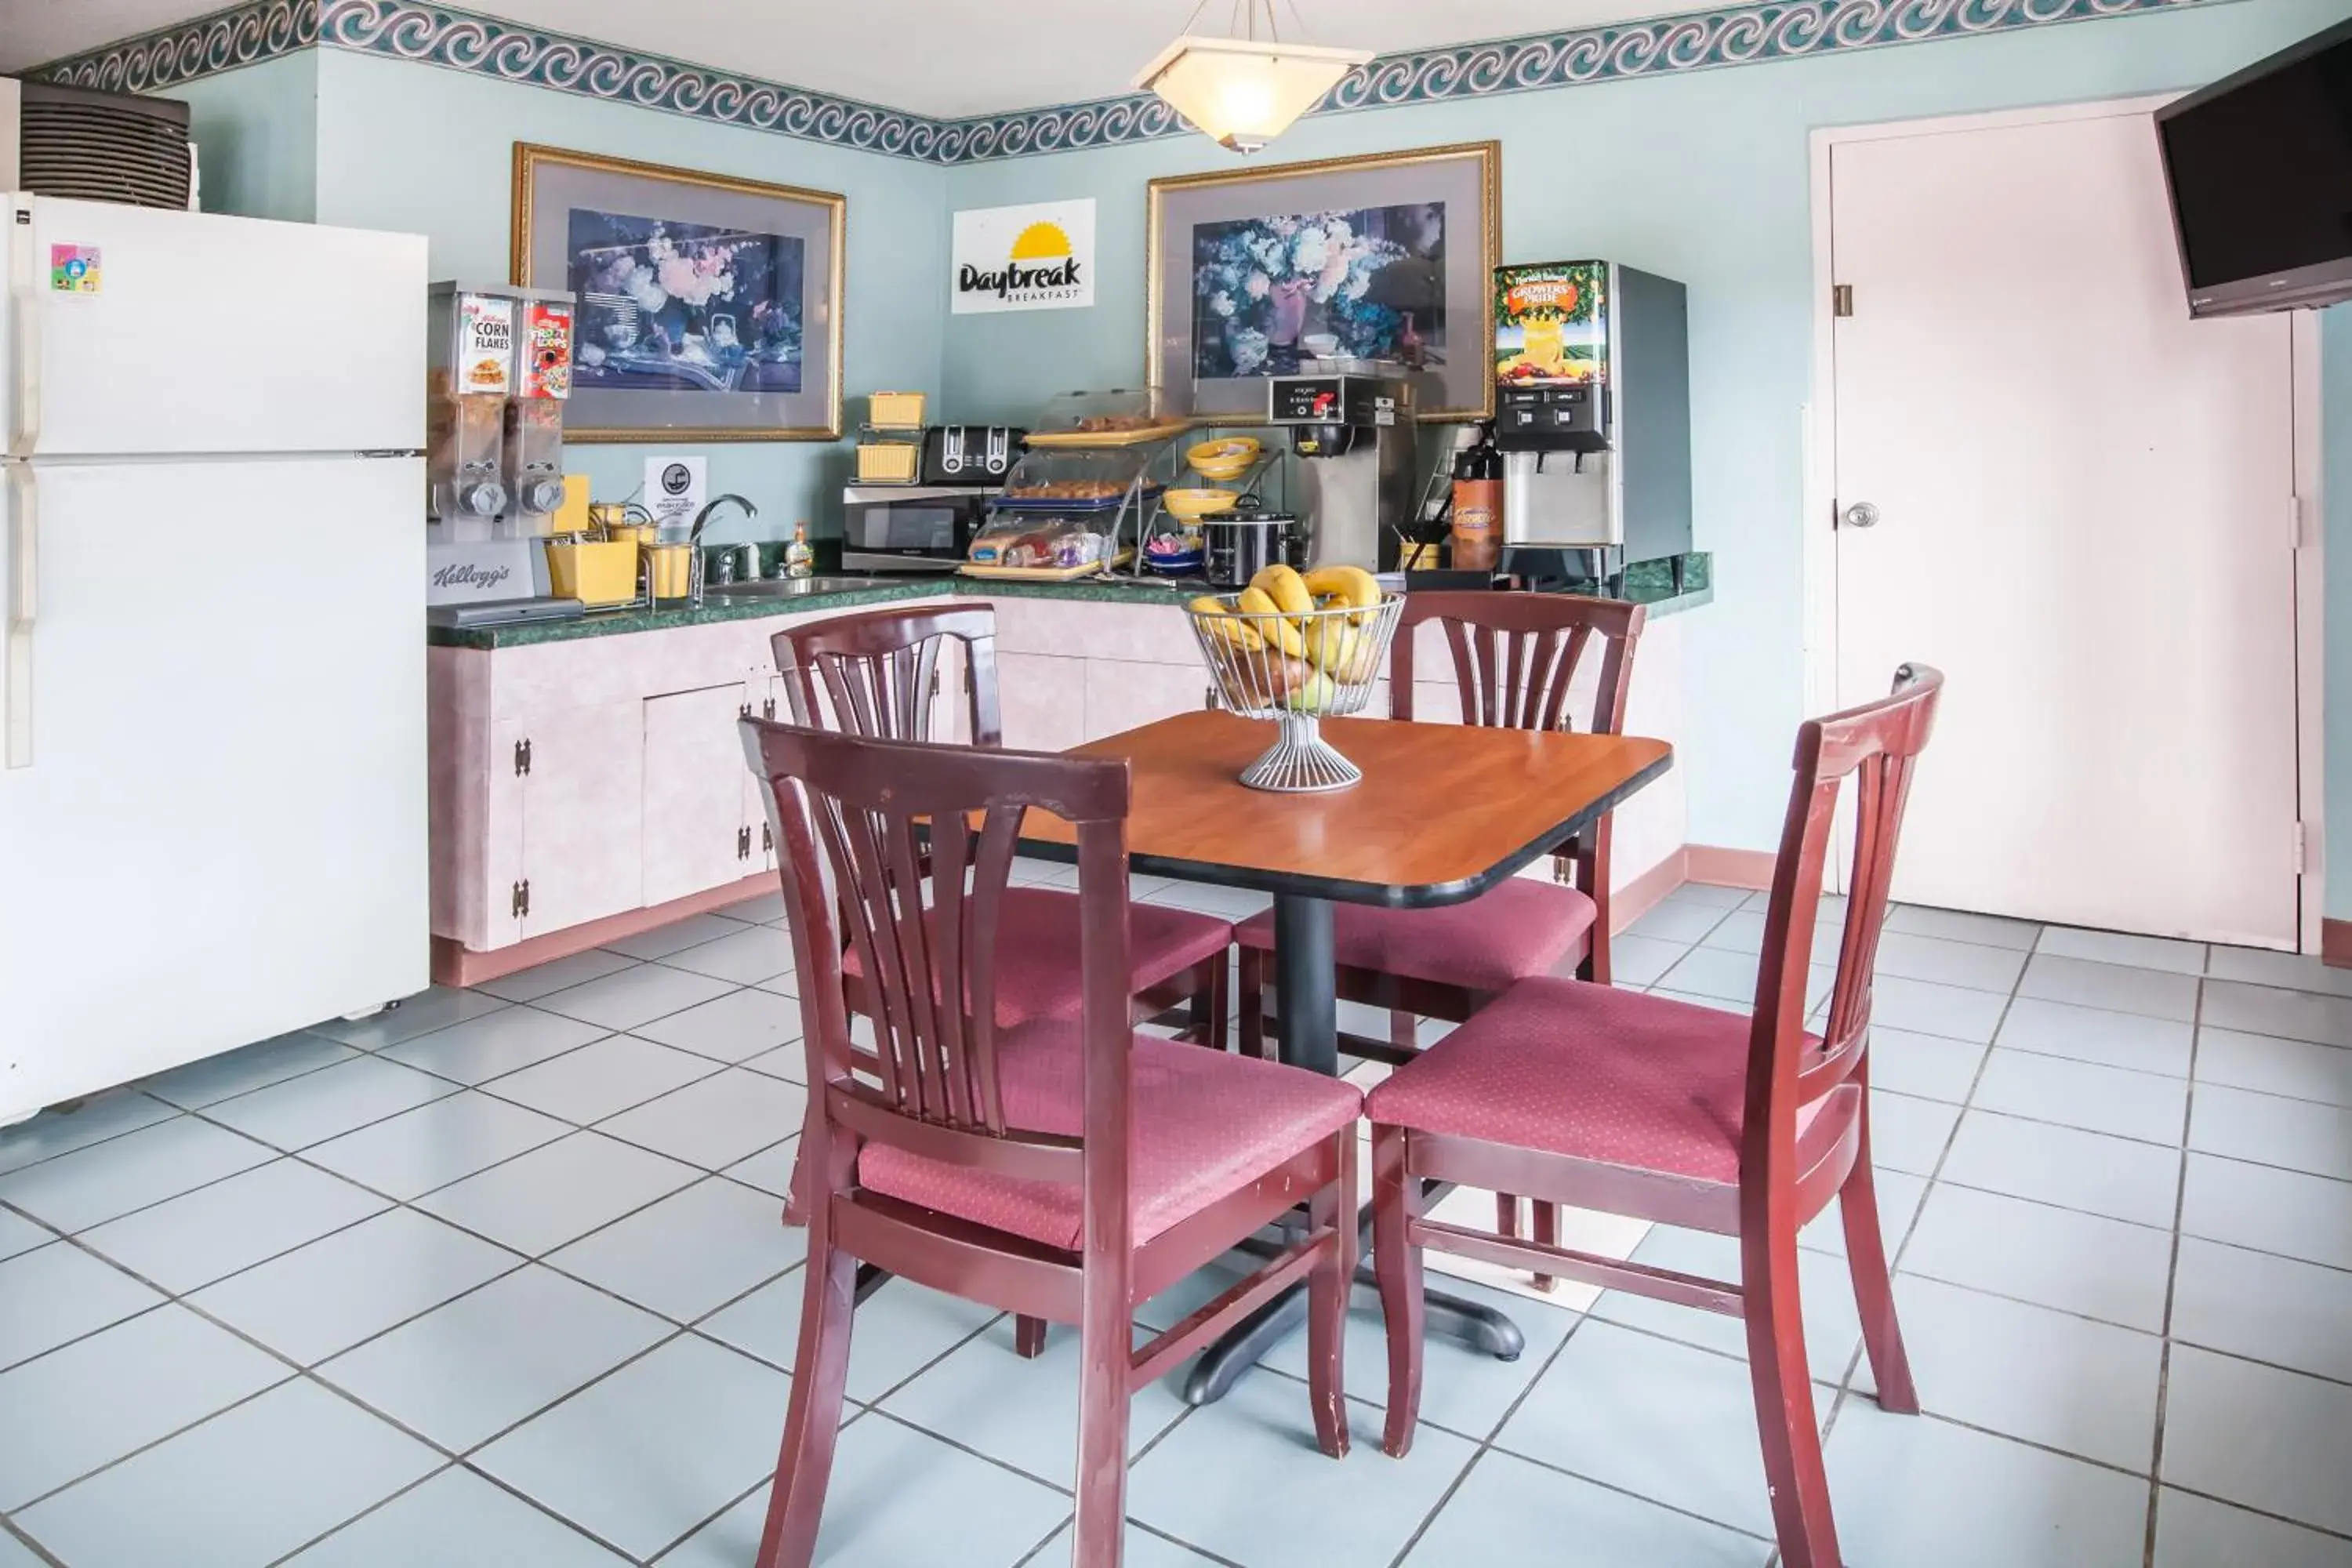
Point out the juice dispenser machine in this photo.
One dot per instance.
(1592, 418)
(499, 369)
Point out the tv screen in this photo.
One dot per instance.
(2261, 170)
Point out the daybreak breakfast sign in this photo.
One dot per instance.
(1040, 256)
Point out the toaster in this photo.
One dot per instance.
(970, 454)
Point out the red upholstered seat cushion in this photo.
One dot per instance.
(1037, 951)
(1517, 928)
(1204, 1123)
(1591, 1072)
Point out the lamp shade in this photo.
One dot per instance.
(1243, 92)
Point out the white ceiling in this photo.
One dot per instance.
(941, 58)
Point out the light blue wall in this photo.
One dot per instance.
(412, 147)
(1702, 177)
(257, 134)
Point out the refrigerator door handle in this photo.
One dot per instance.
(24, 336)
(24, 578)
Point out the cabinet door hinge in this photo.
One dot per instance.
(519, 904)
(768, 709)
(742, 843)
(1840, 299)
(523, 758)
(744, 711)
(767, 841)
(2298, 529)
(2302, 866)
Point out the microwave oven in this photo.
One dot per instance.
(909, 527)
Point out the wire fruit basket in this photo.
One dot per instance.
(1297, 667)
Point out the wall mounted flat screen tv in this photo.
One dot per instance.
(2260, 166)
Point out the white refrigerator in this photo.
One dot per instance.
(212, 685)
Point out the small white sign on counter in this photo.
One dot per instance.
(675, 488)
(1040, 256)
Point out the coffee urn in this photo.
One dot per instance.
(1592, 417)
(1359, 436)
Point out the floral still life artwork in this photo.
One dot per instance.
(667, 304)
(1270, 292)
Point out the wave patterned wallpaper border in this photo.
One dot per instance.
(461, 40)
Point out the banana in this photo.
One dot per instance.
(1207, 605)
(1238, 633)
(1331, 644)
(1272, 625)
(1359, 588)
(1285, 588)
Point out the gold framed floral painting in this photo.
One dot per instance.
(709, 307)
(1383, 259)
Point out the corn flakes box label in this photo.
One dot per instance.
(485, 327)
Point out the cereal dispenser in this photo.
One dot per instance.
(499, 368)
(533, 468)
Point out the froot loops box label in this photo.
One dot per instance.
(73, 268)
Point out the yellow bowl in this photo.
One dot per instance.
(1194, 504)
(1226, 458)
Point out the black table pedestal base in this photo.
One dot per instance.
(1308, 1032)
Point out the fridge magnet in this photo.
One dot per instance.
(1381, 261)
(707, 306)
(73, 268)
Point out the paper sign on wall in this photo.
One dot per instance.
(1040, 256)
(674, 488)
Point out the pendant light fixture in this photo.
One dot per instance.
(1244, 92)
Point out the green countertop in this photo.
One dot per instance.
(1653, 588)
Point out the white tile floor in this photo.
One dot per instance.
(496, 1279)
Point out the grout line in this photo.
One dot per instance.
(10, 1531)
(2172, 1294)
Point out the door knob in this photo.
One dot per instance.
(1862, 514)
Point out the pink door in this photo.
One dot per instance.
(2078, 502)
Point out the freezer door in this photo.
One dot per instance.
(134, 331)
(221, 833)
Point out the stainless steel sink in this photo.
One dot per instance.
(795, 588)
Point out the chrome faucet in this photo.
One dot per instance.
(694, 536)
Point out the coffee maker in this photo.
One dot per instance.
(1592, 418)
(1359, 436)
(497, 372)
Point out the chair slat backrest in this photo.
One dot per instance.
(1876, 744)
(877, 668)
(921, 910)
(1515, 654)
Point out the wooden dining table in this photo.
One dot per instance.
(1444, 813)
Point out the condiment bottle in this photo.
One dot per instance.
(799, 561)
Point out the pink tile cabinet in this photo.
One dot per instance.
(580, 783)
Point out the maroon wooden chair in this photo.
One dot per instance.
(1514, 656)
(880, 672)
(1063, 1168)
(1684, 1115)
